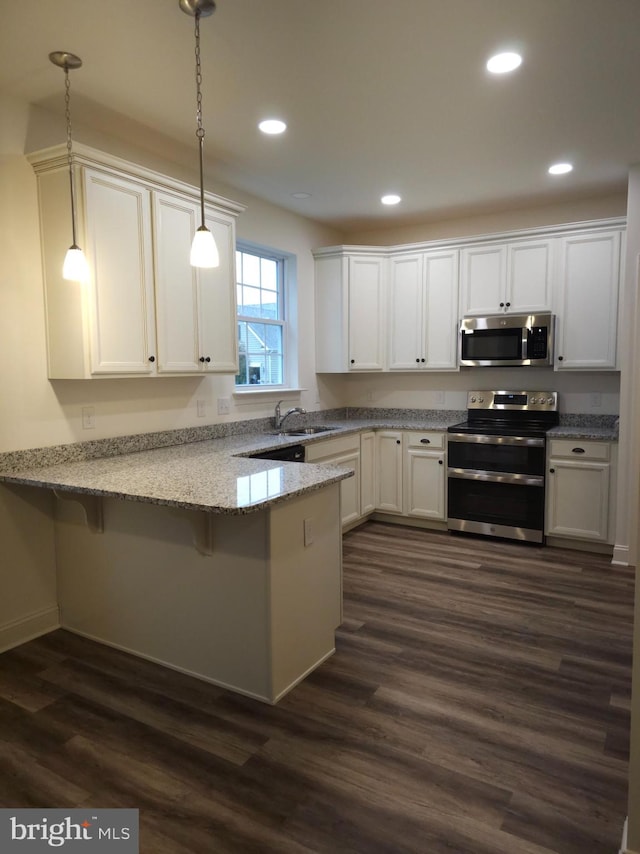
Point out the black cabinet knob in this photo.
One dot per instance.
(422, 360)
(508, 304)
(152, 358)
(552, 471)
(501, 305)
(397, 441)
(440, 463)
(560, 358)
(353, 361)
(205, 358)
(417, 360)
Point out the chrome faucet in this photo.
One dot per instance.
(279, 419)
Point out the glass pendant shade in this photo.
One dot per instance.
(204, 252)
(75, 267)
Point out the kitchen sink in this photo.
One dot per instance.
(305, 431)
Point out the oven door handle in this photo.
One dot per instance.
(483, 439)
(496, 477)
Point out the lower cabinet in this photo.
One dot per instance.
(367, 472)
(389, 471)
(579, 490)
(425, 475)
(343, 451)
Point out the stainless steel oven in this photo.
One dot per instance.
(496, 464)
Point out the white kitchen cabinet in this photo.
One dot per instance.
(341, 451)
(389, 471)
(367, 472)
(586, 302)
(423, 311)
(350, 311)
(195, 309)
(513, 277)
(579, 474)
(425, 475)
(144, 311)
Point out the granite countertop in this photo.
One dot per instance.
(216, 475)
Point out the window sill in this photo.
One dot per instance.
(240, 394)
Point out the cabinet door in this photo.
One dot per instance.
(176, 285)
(425, 484)
(349, 488)
(366, 313)
(367, 473)
(389, 471)
(218, 339)
(529, 271)
(483, 279)
(121, 305)
(578, 500)
(406, 344)
(587, 306)
(440, 311)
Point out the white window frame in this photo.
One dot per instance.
(287, 297)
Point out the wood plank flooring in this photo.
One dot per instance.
(477, 703)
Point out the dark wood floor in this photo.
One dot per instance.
(478, 703)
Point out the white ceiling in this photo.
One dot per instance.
(379, 96)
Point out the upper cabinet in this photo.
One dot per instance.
(145, 311)
(350, 311)
(423, 311)
(513, 277)
(586, 301)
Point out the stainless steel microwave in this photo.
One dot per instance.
(507, 340)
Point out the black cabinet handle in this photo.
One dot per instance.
(577, 450)
(353, 361)
(205, 359)
(152, 358)
(560, 358)
(440, 463)
(425, 441)
(397, 441)
(501, 305)
(417, 360)
(552, 471)
(508, 304)
(422, 360)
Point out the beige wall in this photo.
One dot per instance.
(37, 412)
(531, 216)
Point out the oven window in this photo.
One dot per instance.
(496, 503)
(516, 459)
(492, 344)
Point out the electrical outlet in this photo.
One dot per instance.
(308, 532)
(371, 395)
(224, 405)
(596, 400)
(202, 408)
(438, 397)
(88, 417)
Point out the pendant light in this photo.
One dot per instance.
(204, 252)
(75, 266)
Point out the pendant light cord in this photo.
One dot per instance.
(67, 112)
(200, 129)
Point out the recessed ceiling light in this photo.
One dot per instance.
(272, 126)
(301, 195)
(391, 199)
(560, 168)
(501, 63)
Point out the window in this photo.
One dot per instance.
(261, 318)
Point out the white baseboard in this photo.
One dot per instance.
(27, 628)
(620, 555)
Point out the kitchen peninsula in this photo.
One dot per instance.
(223, 567)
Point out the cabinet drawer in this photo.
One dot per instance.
(331, 447)
(578, 449)
(425, 439)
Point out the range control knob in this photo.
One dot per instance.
(550, 401)
(535, 400)
(481, 400)
(473, 400)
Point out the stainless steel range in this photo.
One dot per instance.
(496, 464)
